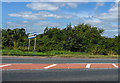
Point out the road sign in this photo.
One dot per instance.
(32, 35)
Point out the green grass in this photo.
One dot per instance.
(21, 53)
(64, 54)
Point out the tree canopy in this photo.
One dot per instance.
(80, 38)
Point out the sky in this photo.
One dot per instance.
(35, 16)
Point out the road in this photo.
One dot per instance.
(56, 60)
(61, 75)
(65, 74)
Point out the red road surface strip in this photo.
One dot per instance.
(56, 66)
(68, 66)
(26, 66)
(102, 66)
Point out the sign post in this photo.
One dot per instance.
(29, 45)
(34, 44)
(30, 36)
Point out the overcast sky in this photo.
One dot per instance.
(34, 17)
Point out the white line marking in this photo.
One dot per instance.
(115, 65)
(50, 66)
(5, 65)
(88, 65)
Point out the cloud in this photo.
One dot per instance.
(64, 0)
(58, 16)
(18, 24)
(107, 21)
(27, 15)
(86, 20)
(42, 6)
(60, 0)
(33, 26)
(40, 15)
(71, 5)
(93, 21)
(49, 24)
(51, 6)
(24, 24)
(110, 33)
(111, 16)
(99, 4)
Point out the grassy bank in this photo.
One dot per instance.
(66, 54)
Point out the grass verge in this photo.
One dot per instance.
(63, 54)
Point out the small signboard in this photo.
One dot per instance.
(32, 35)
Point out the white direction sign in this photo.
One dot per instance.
(32, 35)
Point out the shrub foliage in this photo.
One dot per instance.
(80, 38)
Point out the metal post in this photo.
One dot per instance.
(29, 45)
(34, 44)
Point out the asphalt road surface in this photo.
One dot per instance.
(56, 60)
(61, 75)
(100, 74)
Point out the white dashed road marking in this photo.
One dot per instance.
(115, 65)
(5, 65)
(88, 65)
(50, 66)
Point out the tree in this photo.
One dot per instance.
(69, 27)
(80, 38)
(13, 37)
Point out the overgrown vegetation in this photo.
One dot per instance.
(82, 38)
